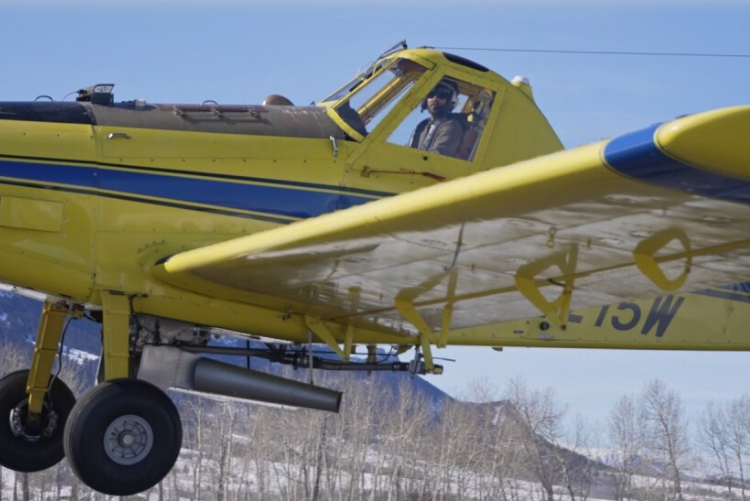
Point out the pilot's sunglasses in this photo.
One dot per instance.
(441, 93)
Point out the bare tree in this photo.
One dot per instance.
(666, 432)
(712, 438)
(626, 439)
(572, 456)
(540, 417)
(497, 464)
(224, 442)
(724, 432)
(193, 411)
(261, 451)
(738, 414)
(25, 491)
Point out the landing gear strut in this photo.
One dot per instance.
(121, 438)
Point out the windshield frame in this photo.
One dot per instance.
(355, 83)
(335, 101)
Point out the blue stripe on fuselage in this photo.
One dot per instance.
(736, 292)
(637, 156)
(277, 200)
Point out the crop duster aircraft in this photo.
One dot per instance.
(296, 224)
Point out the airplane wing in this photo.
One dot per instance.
(661, 209)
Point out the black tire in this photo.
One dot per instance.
(123, 437)
(24, 449)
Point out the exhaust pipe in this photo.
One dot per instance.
(169, 367)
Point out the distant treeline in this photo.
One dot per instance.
(398, 444)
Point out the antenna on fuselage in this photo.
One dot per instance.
(399, 46)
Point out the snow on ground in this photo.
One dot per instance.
(80, 356)
(242, 479)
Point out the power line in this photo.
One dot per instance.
(596, 52)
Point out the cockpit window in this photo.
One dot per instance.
(369, 97)
(450, 120)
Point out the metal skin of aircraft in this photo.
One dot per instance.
(319, 224)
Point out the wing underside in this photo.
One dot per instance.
(609, 222)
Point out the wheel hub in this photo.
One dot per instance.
(128, 439)
(19, 424)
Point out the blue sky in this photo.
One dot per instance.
(238, 52)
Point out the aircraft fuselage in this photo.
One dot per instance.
(93, 195)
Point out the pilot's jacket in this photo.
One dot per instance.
(441, 135)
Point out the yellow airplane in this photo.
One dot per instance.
(337, 223)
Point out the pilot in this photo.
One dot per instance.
(442, 132)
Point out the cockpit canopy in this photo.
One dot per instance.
(373, 92)
(360, 106)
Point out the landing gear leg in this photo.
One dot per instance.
(34, 407)
(116, 336)
(45, 351)
(124, 436)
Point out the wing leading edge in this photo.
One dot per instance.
(660, 209)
